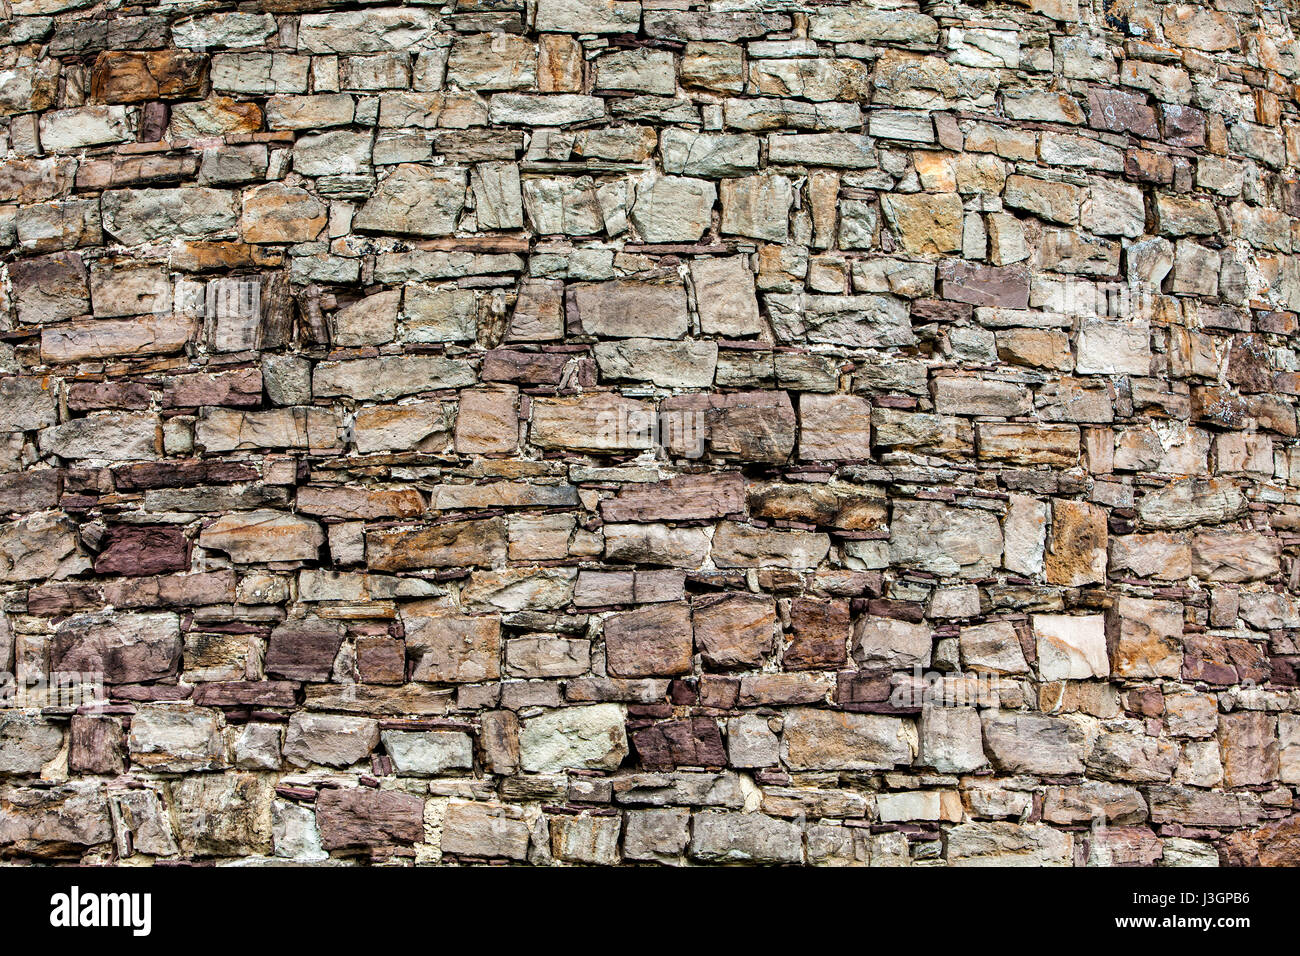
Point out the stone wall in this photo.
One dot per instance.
(602, 431)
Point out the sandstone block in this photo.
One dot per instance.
(574, 738)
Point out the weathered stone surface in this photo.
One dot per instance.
(39, 546)
(965, 395)
(498, 202)
(1024, 532)
(770, 113)
(1071, 647)
(588, 16)
(135, 216)
(1160, 555)
(626, 309)
(887, 642)
(834, 426)
(590, 737)
(682, 498)
(415, 200)
(1133, 756)
(752, 426)
(744, 838)
(563, 205)
(1016, 444)
(276, 213)
(1234, 557)
(109, 338)
(1076, 548)
(171, 739)
(724, 293)
(232, 30)
(1273, 844)
(329, 740)
(1249, 744)
(1109, 347)
(816, 79)
(836, 506)
(553, 110)
(1146, 637)
(867, 321)
(592, 432)
(446, 647)
(51, 288)
(29, 743)
(659, 835)
(841, 741)
(734, 630)
(757, 206)
(25, 405)
(950, 740)
(359, 817)
(650, 641)
(257, 536)
(1008, 844)
(693, 742)
(1188, 502)
(1031, 743)
(125, 648)
(492, 62)
(223, 814)
(388, 377)
(925, 223)
(29, 85)
(143, 550)
(738, 545)
(220, 429)
(217, 116)
(993, 647)
(850, 24)
(708, 154)
(73, 814)
(445, 545)
(673, 209)
(372, 31)
(836, 150)
(819, 630)
(95, 745)
(713, 26)
(130, 77)
(751, 742)
(64, 131)
(943, 539)
(588, 839)
(303, 650)
(656, 544)
(295, 833)
(547, 657)
(668, 364)
(485, 830)
(107, 436)
(600, 423)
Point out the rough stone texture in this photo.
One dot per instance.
(587, 432)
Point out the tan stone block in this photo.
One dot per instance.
(1145, 637)
(1076, 552)
(487, 421)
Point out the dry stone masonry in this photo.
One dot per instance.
(650, 432)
